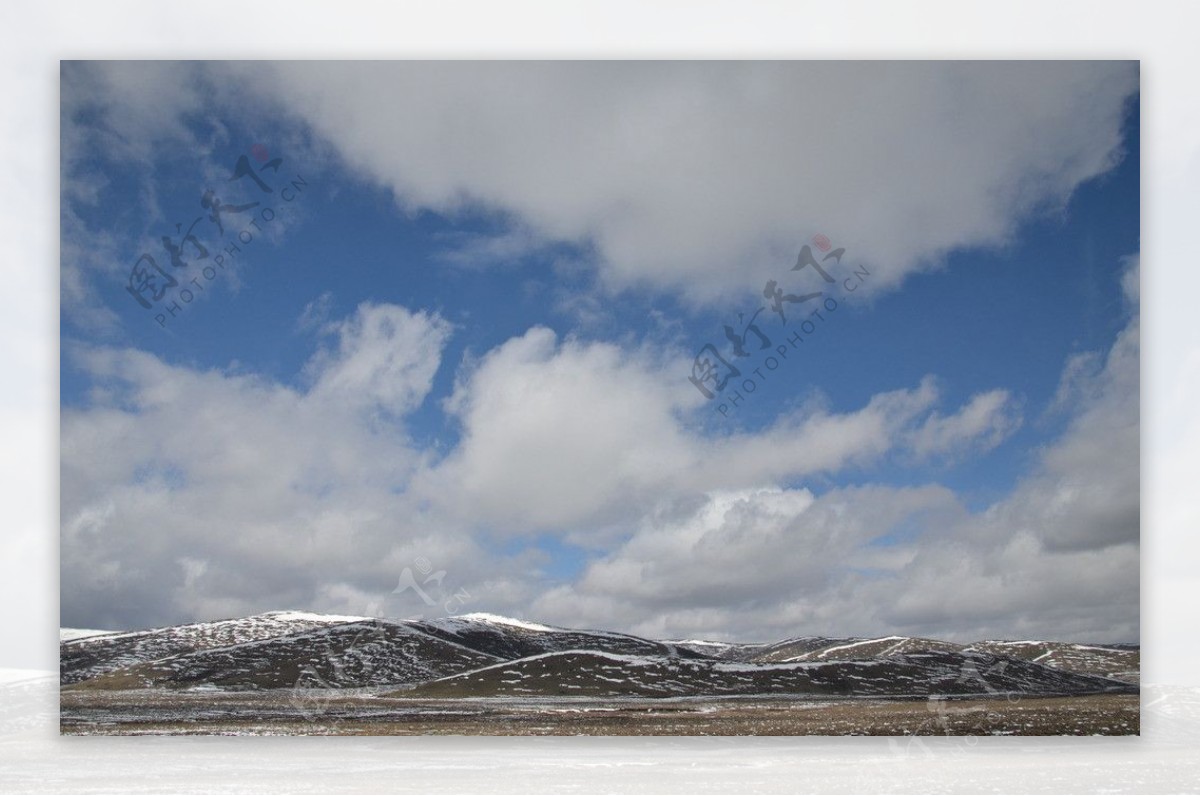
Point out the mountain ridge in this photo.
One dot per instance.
(480, 654)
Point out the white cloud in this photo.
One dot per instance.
(266, 490)
(206, 493)
(141, 120)
(1086, 493)
(316, 312)
(1057, 557)
(476, 250)
(698, 178)
(581, 435)
(705, 177)
(983, 423)
(768, 562)
(560, 435)
(230, 493)
(134, 106)
(385, 356)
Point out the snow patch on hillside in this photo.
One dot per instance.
(495, 619)
(304, 616)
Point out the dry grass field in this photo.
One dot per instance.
(154, 712)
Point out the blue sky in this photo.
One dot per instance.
(474, 322)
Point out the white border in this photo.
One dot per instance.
(1161, 35)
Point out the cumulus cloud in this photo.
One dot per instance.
(385, 356)
(762, 560)
(200, 493)
(558, 435)
(280, 489)
(582, 434)
(704, 177)
(1056, 557)
(1085, 495)
(232, 493)
(700, 179)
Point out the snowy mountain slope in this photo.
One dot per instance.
(817, 648)
(87, 657)
(349, 655)
(488, 655)
(860, 649)
(586, 673)
(707, 649)
(512, 639)
(1118, 661)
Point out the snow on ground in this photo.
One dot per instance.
(9, 676)
(304, 616)
(506, 620)
(635, 660)
(852, 644)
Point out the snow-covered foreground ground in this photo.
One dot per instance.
(34, 758)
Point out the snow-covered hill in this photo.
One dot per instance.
(489, 655)
(510, 639)
(346, 655)
(87, 657)
(1118, 661)
(594, 674)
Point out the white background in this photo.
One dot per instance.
(1162, 35)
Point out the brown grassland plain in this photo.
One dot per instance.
(165, 712)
